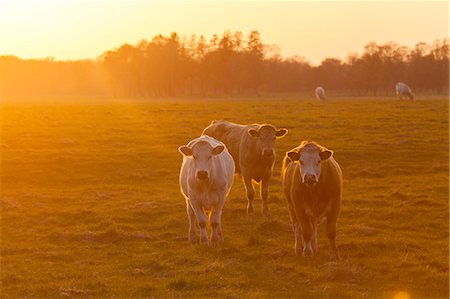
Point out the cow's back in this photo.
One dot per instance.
(230, 134)
(251, 161)
(331, 178)
(402, 88)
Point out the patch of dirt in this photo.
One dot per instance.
(398, 195)
(279, 253)
(8, 204)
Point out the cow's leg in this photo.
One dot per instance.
(192, 236)
(307, 233)
(250, 194)
(314, 237)
(201, 219)
(298, 237)
(216, 222)
(296, 228)
(331, 233)
(264, 195)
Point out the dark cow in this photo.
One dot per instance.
(312, 182)
(252, 148)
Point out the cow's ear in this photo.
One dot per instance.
(325, 154)
(293, 155)
(253, 133)
(218, 149)
(281, 133)
(185, 150)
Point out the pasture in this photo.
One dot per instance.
(91, 207)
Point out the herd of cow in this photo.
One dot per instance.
(312, 180)
(401, 89)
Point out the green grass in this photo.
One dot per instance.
(90, 202)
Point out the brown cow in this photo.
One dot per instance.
(312, 182)
(252, 148)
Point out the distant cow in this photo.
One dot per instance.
(320, 93)
(252, 148)
(206, 176)
(312, 182)
(403, 90)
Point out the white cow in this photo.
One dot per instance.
(320, 93)
(206, 176)
(402, 90)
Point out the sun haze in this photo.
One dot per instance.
(314, 30)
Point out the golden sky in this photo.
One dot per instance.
(315, 30)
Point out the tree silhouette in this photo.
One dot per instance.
(227, 64)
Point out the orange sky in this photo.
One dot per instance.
(315, 30)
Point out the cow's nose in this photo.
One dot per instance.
(268, 152)
(202, 175)
(310, 179)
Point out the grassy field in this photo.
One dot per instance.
(91, 207)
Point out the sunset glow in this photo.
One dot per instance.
(315, 30)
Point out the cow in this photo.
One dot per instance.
(312, 182)
(320, 93)
(206, 176)
(252, 148)
(403, 90)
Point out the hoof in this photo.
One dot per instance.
(250, 210)
(204, 241)
(334, 256)
(308, 253)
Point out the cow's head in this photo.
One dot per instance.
(266, 136)
(411, 95)
(201, 152)
(310, 155)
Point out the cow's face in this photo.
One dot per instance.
(201, 152)
(266, 136)
(309, 160)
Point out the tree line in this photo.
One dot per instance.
(227, 64)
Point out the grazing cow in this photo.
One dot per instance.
(403, 90)
(320, 93)
(206, 176)
(312, 182)
(252, 148)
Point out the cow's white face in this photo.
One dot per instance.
(201, 152)
(266, 136)
(309, 160)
